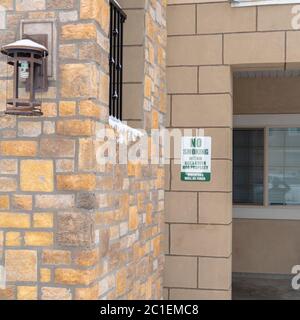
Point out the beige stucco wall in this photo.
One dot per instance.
(265, 246)
(268, 95)
(206, 42)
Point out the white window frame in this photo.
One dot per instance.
(249, 3)
(266, 211)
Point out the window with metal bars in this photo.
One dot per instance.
(117, 19)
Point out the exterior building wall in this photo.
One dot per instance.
(206, 43)
(69, 227)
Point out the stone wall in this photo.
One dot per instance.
(70, 228)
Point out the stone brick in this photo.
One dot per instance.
(75, 276)
(67, 108)
(49, 293)
(149, 211)
(13, 239)
(241, 49)
(27, 293)
(89, 108)
(274, 18)
(21, 265)
(181, 207)
(292, 48)
(64, 165)
(22, 202)
(43, 220)
(56, 201)
(78, 80)
(90, 293)
(148, 87)
(197, 294)
(214, 79)
(133, 218)
(57, 147)
(56, 257)
(87, 155)
(45, 275)
(182, 80)
(14, 220)
(60, 4)
(226, 18)
(215, 208)
(103, 87)
(202, 240)
(29, 5)
(121, 282)
(75, 127)
(203, 110)
(4, 202)
(214, 273)
(75, 229)
(79, 31)
(157, 246)
(155, 120)
(180, 272)
(49, 109)
(8, 166)
(68, 51)
(42, 15)
(68, 16)
(29, 129)
(7, 122)
(17, 148)
(98, 10)
(8, 4)
(76, 182)
(87, 258)
(8, 184)
(181, 20)
(194, 50)
(86, 201)
(38, 238)
(9, 293)
(49, 127)
(37, 175)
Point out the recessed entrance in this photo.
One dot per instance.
(266, 184)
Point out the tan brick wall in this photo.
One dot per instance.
(207, 40)
(69, 228)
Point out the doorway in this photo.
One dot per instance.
(266, 184)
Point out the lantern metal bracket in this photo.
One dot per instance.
(33, 55)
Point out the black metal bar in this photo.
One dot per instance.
(121, 69)
(118, 18)
(110, 62)
(116, 5)
(114, 63)
(118, 84)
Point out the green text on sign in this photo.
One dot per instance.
(196, 159)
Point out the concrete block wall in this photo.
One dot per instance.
(70, 228)
(207, 41)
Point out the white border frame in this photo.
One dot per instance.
(266, 212)
(245, 3)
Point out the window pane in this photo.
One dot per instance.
(248, 166)
(284, 166)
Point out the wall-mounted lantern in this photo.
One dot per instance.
(28, 59)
